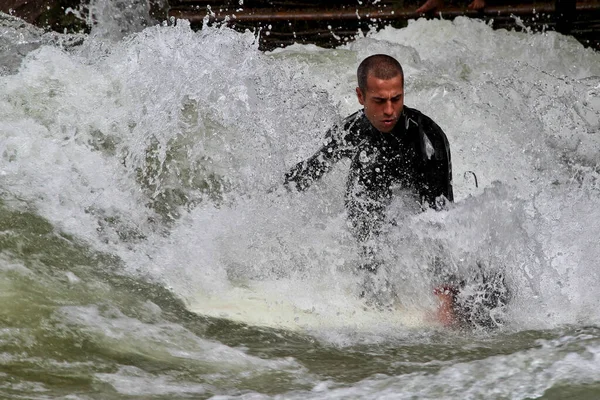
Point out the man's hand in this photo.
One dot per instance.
(446, 314)
(477, 5)
(430, 5)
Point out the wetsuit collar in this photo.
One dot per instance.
(399, 129)
(401, 126)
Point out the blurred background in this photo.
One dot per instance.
(325, 23)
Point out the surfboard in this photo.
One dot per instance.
(257, 306)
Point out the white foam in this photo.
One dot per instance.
(161, 148)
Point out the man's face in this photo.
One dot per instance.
(383, 101)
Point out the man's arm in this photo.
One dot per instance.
(438, 164)
(338, 144)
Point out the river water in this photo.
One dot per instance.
(140, 172)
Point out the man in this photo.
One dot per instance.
(394, 151)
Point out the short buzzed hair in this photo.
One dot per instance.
(380, 66)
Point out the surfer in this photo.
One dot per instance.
(394, 151)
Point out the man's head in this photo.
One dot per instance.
(381, 90)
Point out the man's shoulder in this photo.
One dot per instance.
(416, 117)
(356, 119)
(417, 120)
(351, 128)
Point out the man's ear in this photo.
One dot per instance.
(361, 98)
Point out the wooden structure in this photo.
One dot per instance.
(331, 23)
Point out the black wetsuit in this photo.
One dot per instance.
(415, 155)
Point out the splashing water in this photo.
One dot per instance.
(139, 172)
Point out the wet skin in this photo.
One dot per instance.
(383, 101)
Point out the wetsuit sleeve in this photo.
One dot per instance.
(438, 164)
(336, 147)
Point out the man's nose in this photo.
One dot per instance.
(387, 108)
